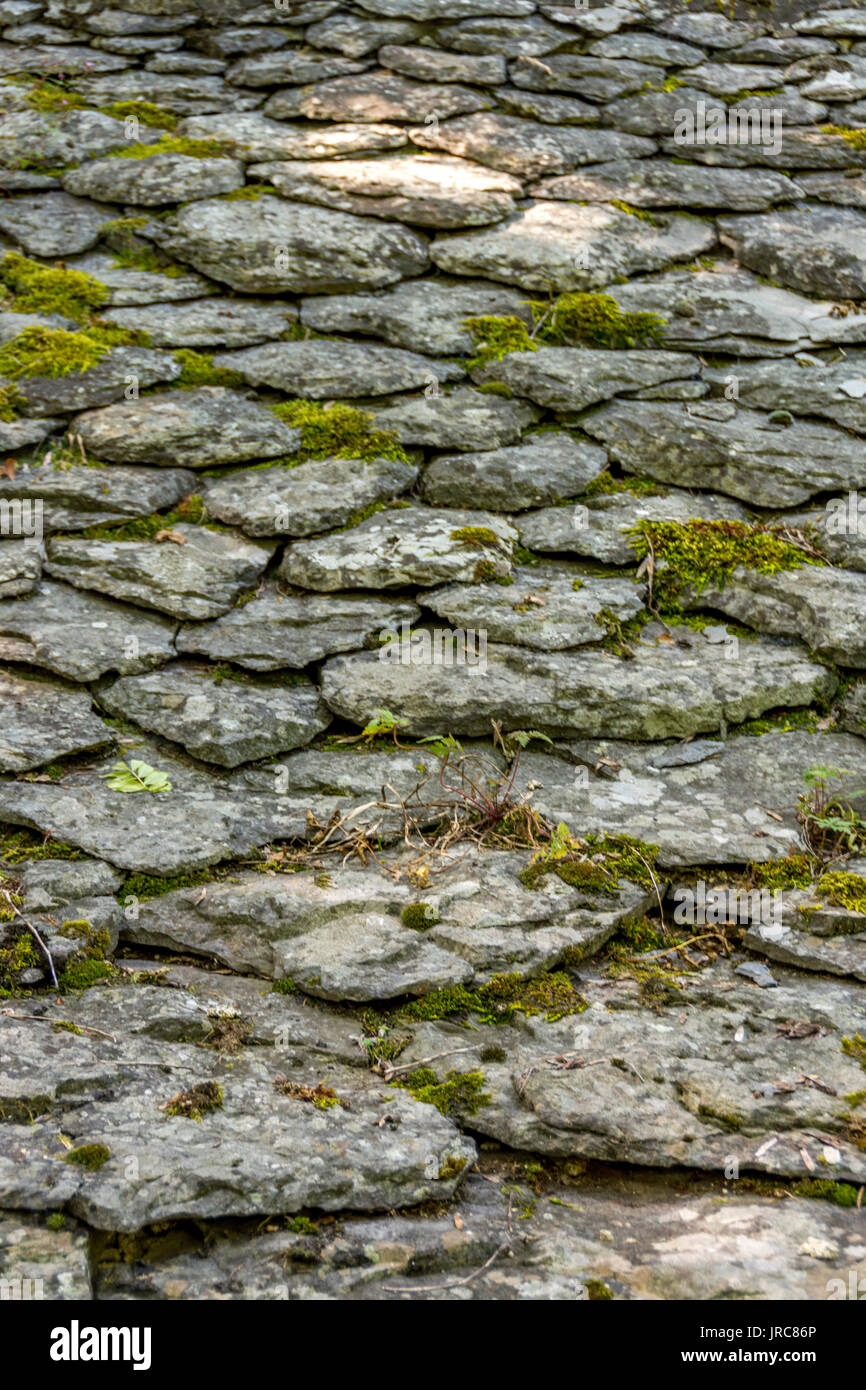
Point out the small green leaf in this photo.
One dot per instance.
(136, 776)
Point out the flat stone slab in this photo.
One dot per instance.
(420, 545)
(157, 180)
(55, 1262)
(567, 378)
(525, 148)
(462, 419)
(793, 944)
(127, 285)
(634, 1098)
(806, 386)
(59, 138)
(199, 576)
(224, 721)
(190, 429)
(214, 322)
(666, 690)
(17, 434)
(434, 65)
(100, 385)
(329, 370)
(702, 803)
(599, 526)
(727, 448)
(252, 137)
(345, 939)
(545, 466)
(279, 629)
(313, 497)
(82, 635)
(289, 65)
(258, 1153)
(660, 183)
(52, 224)
(43, 721)
(562, 247)
(375, 96)
(187, 94)
(427, 190)
(270, 245)
(782, 245)
(423, 316)
(72, 497)
(550, 607)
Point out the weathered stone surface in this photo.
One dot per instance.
(325, 370)
(569, 379)
(433, 65)
(546, 466)
(187, 94)
(564, 247)
(732, 450)
(20, 566)
(550, 607)
(70, 58)
(52, 224)
(250, 136)
(160, 179)
(71, 497)
(838, 187)
(425, 189)
(277, 629)
(270, 245)
(659, 183)
(814, 249)
(81, 635)
(54, 1262)
(226, 722)
(213, 322)
(463, 419)
(259, 1152)
(193, 429)
(43, 721)
(102, 384)
(545, 107)
(798, 146)
(423, 316)
(513, 38)
(198, 576)
(57, 140)
(375, 96)
(666, 690)
(17, 434)
(525, 149)
(128, 285)
(807, 386)
(290, 65)
(420, 545)
(599, 526)
(309, 498)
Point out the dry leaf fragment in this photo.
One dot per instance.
(174, 536)
(7, 470)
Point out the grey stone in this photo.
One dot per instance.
(807, 386)
(838, 187)
(290, 65)
(198, 575)
(423, 316)
(570, 379)
(194, 429)
(81, 635)
(545, 107)
(20, 567)
(312, 497)
(54, 1262)
(329, 370)
(271, 245)
(565, 247)
(358, 34)
(159, 179)
(814, 249)
(550, 607)
(108, 381)
(647, 48)
(426, 189)
(742, 454)
(664, 691)
(52, 224)
(593, 77)
(229, 722)
(375, 96)
(68, 58)
(463, 419)
(728, 79)
(434, 65)
(798, 146)
(127, 285)
(43, 721)
(660, 183)
(186, 94)
(55, 140)
(545, 467)
(213, 322)
(277, 629)
(250, 136)
(72, 497)
(420, 545)
(526, 149)
(758, 974)
(513, 38)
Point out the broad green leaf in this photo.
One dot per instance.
(136, 776)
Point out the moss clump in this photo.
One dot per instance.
(228, 1032)
(83, 974)
(89, 1156)
(841, 1194)
(321, 1096)
(190, 511)
(21, 955)
(418, 916)
(56, 1221)
(477, 536)
(49, 97)
(855, 1047)
(301, 1226)
(250, 193)
(145, 112)
(48, 352)
(18, 845)
(634, 212)
(596, 320)
(794, 871)
(144, 886)
(11, 402)
(148, 260)
(605, 485)
(703, 554)
(285, 986)
(39, 289)
(495, 337)
(844, 890)
(451, 1168)
(197, 369)
(170, 144)
(337, 431)
(597, 1291)
(501, 998)
(460, 1092)
(594, 864)
(855, 138)
(199, 1100)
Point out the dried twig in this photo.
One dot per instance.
(30, 927)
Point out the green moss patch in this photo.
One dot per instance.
(459, 1093)
(552, 994)
(199, 1100)
(84, 973)
(321, 1096)
(337, 431)
(144, 528)
(145, 112)
(39, 289)
(841, 1194)
(197, 369)
(89, 1156)
(48, 352)
(46, 96)
(704, 554)
(495, 337)
(594, 864)
(595, 320)
(794, 871)
(170, 144)
(11, 402)
(844, 890)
